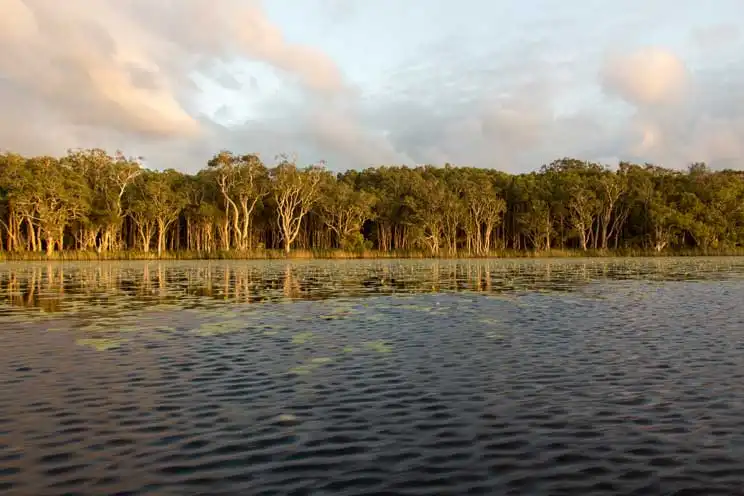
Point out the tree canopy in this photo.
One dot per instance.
(90, 200)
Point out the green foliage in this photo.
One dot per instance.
(89, 204)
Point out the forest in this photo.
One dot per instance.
(90, 201)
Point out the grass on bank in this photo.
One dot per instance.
(300, 254)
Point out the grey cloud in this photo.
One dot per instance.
(706, 124)
(717, 36)
(495, 110)
(502, 111)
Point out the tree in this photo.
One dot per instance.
(295, 192)
(583, 208)
(108, 179)
(344, 210)
(242, 181)
(158, 202)
(62, 196)
(90, 200)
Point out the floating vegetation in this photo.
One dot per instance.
(57, 329)
(307, 368)
(348, 349)
(286, 418)
(218, 328)
(342, 311)
(378, 346)
(302, 337)
(331, 316)
(101, 344)
(122, 329)
(301, 369)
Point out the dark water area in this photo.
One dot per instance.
(396, 377)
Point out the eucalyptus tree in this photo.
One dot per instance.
(59, 198)
(16, 184)
(142, 212)
(108, 178)
(156, 203)
(583, 208)
(429, 204)
(243, 182)
(89, 200)
(577, 181)
(295, 191)
(611, 189)
(536, 220)
(345, 210)
(202, 211)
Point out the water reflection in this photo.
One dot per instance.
(57, 287)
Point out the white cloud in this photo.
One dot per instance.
(131, 74)
(649, 76)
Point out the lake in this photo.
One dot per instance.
(539, 377)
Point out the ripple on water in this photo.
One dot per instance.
(450, 393)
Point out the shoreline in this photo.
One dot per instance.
(92, 256)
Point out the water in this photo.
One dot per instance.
(394, 377)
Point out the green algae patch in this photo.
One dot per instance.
(340, 313)
(57, 329)
(218, 328)
(302, 337)
(313, 364)
(379, 347)
(109, 327)
(301, 370)
(101, 344)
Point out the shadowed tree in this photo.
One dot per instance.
(345, 210)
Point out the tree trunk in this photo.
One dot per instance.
(161, 237)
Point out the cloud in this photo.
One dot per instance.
(649, 76)
(714, 37)
(178, 80)
(91, 72)
(84, 74)
(263, 40)
(678, 116)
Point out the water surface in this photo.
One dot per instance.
(365, 377)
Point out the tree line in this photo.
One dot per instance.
(90, 200)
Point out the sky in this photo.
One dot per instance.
(510, 85)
